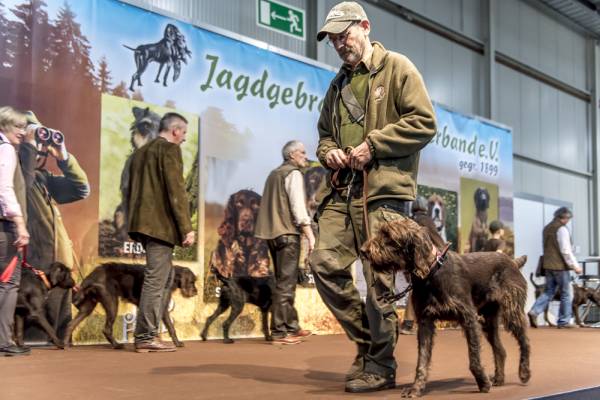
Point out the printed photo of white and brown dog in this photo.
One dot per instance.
(126, 126)
(442, 207)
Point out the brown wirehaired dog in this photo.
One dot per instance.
(112, 280)
(459, 289)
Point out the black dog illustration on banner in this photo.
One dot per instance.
(171, 50)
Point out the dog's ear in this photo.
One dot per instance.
(228, 227)
(138, 113)
(422, 252)
(57, 274)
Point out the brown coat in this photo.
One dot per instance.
(158, 204)
(399, 122)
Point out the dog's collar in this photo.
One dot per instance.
(440, 256)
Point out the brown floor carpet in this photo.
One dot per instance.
(562, 360)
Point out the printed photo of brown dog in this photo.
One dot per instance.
(478, 207)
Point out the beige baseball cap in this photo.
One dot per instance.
(340, 17)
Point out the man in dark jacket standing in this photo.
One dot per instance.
(159, 218)
(376, 117)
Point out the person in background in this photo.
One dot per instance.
(13, 225)
(159, 218)
(46, 191)
(282, 219)
(558, 262)
(496, 241)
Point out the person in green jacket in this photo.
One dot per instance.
(159, 218)
(46, 192)
(376, 117)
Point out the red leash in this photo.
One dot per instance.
(38, 272)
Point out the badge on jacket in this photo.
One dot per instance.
(379, 93)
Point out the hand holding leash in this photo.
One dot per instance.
(336, 159)
(359, 156)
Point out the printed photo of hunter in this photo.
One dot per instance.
(128, 125)
(478, 208)
(442, 208)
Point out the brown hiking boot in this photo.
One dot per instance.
(154, 346)
(356, 369)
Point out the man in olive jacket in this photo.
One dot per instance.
(159, 218)
(375, 119)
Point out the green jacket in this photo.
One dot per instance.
(49, 240)
(158, 205)
(399, 121)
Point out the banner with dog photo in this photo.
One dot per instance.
(126, 126)
(465, 174)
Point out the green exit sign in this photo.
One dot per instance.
(282, 18)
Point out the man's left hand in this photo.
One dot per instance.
(59, 152)
(360, 156)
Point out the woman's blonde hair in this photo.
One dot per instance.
(10, 117)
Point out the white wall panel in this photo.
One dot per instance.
(536, 39)
(460, 15)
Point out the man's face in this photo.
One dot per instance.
(564, 219)
(179, 132)
(298, 157)
(350, 44)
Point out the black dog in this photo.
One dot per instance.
(463, 288)
(236, 292)
(32, 297)
(479, 227)
(581, 295)
(169, 51)
(110, 281)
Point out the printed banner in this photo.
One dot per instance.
(103, 73)
(466, 175)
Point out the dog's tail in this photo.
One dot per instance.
(130, 48)
(519, 262)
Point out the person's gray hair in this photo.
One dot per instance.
(289, 148)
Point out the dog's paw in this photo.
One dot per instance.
(203, 336)
(269, 338)
(524, 374)
(411, 392)
(119, 346)
(179, 344)
(485, 386)
(228, 341)
(497, 380)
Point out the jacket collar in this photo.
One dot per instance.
(378, 60)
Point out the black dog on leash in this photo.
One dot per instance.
(110, 281)
(32, 298)
(169, 51)
(237, 291)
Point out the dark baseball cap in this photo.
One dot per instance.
(340, 17)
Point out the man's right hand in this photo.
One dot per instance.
(189, 239)
(578, 270)
(22, 234)
(336, 159)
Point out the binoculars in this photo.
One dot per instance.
(48, 136)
